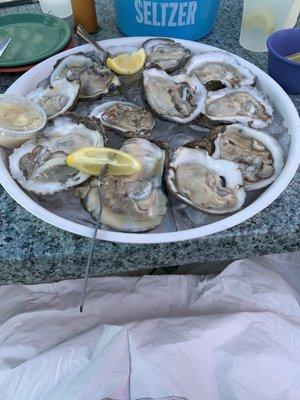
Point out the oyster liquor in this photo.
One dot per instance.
(165, 14)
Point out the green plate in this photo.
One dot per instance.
(34, 37)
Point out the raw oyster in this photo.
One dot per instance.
(127, 119)
(213, 186)
(165, 54)
(258, 154)
(131, 204)
(39, 165)
(95, 78)
(244, 105)
(217, 69)
(178, 98)
(57, 98)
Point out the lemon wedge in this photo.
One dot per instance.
(294, 57)
(91, 159)
(127, 64)
(261, 19)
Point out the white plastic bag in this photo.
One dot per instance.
(232, 337)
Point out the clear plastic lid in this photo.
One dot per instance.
(19, 115)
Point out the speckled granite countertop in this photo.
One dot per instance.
(32, 251)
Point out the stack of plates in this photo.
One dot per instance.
(34, 37)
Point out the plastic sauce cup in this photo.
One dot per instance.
(20, 120)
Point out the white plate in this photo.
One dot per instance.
(279, 98)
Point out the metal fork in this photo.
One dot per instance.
(89, 260)
(88, 38)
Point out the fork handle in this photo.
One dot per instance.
(91, 252)
(88, 38)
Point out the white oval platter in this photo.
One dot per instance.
(278, 97)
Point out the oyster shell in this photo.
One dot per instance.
(131, 204)
(165, 54)
(95, 78)
(178, 98)
(205, 144)
(244, 105)
(58, 98)
(127, 119)
(217, 69)
(213, 186)
(39, 164)
(258, 154)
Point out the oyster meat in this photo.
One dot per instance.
(179, 98)
(95, 78)
(39, 164)
(127, 119)
(217, 69)
(165, 54)
(244, 105)
(258, 154)
(131, 204)
(209, 185)
(57, 98)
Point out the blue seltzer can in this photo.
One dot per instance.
(182, 19)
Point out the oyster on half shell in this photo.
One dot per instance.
(39, 164)
(94, 77)
(126, 119)
(165, 54)
(243, 105)
(135, 203)
(179, 98)
(258, 154)
(209, 185)
(218, 69)
(57, 98)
